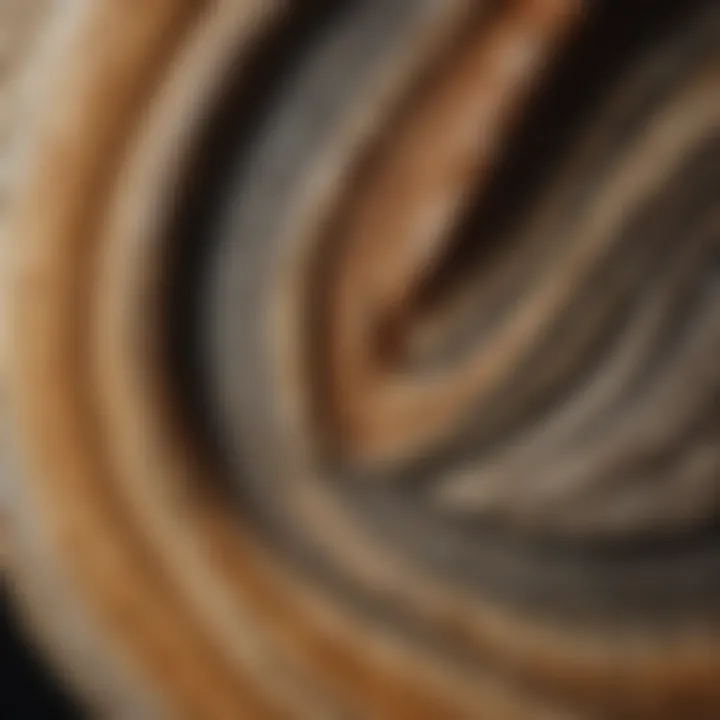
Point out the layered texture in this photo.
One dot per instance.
(364, 361)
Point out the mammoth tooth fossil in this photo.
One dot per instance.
(362, 356)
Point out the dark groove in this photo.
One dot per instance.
(226, 145)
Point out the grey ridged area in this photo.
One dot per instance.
(587, 484)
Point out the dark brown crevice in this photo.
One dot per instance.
(612, 35)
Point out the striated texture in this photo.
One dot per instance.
(21, 25)
(21, 22)
(364, 362)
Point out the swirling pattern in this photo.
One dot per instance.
(364, 360)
